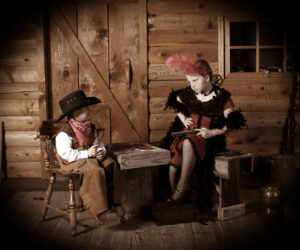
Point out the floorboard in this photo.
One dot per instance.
(20, 218)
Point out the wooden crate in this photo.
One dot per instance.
(135, 162)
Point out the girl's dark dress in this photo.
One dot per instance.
(208, 115)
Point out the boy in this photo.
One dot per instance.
(76, 152)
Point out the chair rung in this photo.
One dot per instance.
(58, 210)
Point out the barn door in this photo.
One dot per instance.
(100, 47)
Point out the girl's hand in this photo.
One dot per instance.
(205, 133)
(92, 151)
(186, 121)
(208, 133)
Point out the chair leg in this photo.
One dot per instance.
(72, 210)
(79, 204)
(48, 196)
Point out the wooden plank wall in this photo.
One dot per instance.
(22, 99)
(175, 27)
(188, 26)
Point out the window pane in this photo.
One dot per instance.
(242, 60)
(242, 33)
(271, 59)
(292, 59)
(270, 33)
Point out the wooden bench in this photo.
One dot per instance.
(228, 168)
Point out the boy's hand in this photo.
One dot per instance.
(92, 151)
(100, 155)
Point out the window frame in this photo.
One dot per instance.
(224, 48)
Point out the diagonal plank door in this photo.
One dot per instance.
(91, 45)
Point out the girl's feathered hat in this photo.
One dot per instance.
(189, 64)
(74, 101)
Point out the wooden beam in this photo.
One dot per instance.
(247, 104)
(20, 123)
(21, 154)
(19, 107)
(19, 57)
(24, 169)
(159, 55)
(124, 127)
(182, 37)
(163, 21)
(20, 91)
(254, 120)
(162, 72)
(274, 87)
(21, 139)
(221, 45)
(18, 74)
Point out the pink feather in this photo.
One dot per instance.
(187, 64)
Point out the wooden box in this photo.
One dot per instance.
(135, 182)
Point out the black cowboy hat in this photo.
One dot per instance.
(74, 101)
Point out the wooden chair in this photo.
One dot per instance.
(52, 168)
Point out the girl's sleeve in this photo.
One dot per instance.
(64, 148)
(228, 107)
(228, 104)
(234, 118)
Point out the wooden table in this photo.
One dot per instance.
(228, 169)
(135, 162)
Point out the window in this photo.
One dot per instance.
(253, 46)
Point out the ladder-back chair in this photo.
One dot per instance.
(51, 168)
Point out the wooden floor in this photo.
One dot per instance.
(21, 227)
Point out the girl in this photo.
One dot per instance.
(207, 110)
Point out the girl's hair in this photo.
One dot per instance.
(203, 68)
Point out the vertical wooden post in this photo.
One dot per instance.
(221, 45)
(43, 101)
(144, 123)
(285, 49)
(257, 47)
(227, 47)
(41, 67)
